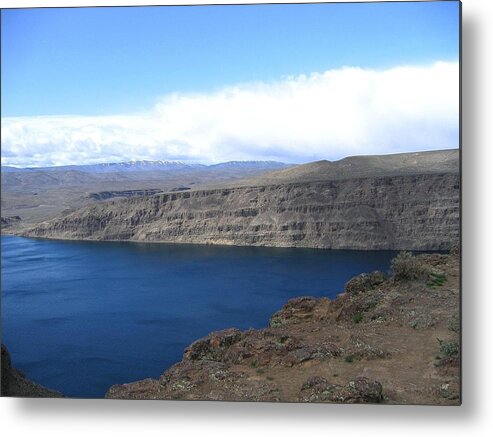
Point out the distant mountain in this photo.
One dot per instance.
(39, 193)
(112, 167)
(153, 166)
(9, 169)
(257, 165)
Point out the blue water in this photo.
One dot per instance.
(79, 317)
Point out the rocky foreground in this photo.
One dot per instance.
(384, 340)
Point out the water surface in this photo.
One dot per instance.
(79, 317)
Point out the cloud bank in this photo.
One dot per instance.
(327, 115)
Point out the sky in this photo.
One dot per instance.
(292, 83)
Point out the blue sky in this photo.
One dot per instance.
(97, 62)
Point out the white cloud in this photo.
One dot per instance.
(326, 115)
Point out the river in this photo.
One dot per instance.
(79, 317)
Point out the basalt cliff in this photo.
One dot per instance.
(405, 201)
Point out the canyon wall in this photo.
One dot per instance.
(410, 211)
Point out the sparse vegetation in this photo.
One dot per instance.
(436, 280)
(357, 318)
(406, 267)
(281, 341)
(348, 358)
(454, 323)
(449, 348)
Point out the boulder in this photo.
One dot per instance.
(294, 311)
(365, 282)
(212, 347)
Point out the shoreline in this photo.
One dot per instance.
(345, 350)
(89, 240)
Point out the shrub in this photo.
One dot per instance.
(364, 282)
(407, 267)
(348, 358)
(454, 323)
(436, 280)
(449, 348)
(357, 318)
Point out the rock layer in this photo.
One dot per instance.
(412, 212)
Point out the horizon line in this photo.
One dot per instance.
(197, 163)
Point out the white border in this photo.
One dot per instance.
(127, 418)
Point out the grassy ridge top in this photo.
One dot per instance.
(439, 161)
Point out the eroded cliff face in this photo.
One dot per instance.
(418, 212)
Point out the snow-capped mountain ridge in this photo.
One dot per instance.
(145, 165)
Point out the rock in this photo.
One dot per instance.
(298, 356)
(264, 348)
(215, 380)
(294, 311)
(15, 384)
(360, 390)
(9, 222)
(365, 282)
(213, 346)
(105, 195)
(455, 250)
(136, 390)
(356, 305)
(360, 347)
(306, 353)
